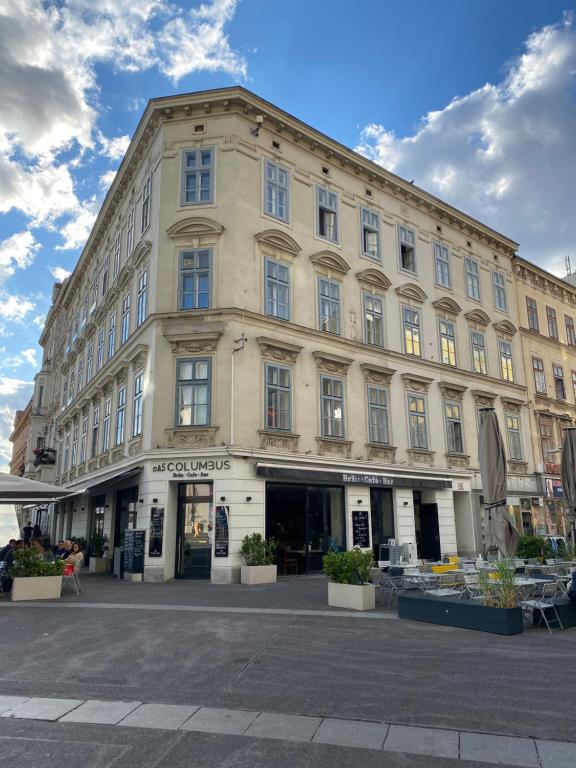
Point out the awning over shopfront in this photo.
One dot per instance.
(20, 490)
(113, 479)
(349, 478)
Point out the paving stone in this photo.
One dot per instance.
(351, 733)
(166, 716)
(43, 709)
(287, 727)
(436, 742)
(211, 720)
(488, 748)
(105, 712)
(9, 702)
(556, 754)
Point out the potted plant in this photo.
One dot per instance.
(349, 580)
(98, 548)
(34, 578)
(531, 547)
(259, 554)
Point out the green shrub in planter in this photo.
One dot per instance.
(27, 562)
(258, 551)
(349, 567)
(533, 546)
(98, 545)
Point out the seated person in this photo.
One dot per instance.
(4, 551)
(36, 544)
(76, 557)
(572, 588)
(60, 550)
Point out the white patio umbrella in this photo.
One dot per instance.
(20, 490)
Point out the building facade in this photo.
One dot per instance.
(268, 332)
(20, 438)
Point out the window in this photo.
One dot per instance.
(514, 439)
(378, 429)
(407, 249)
(472, 271)
(100, 357)
(105, 273)
(197, 176)
(276, 202)
(106, 424)
(411, 326)
(195, 278)
(75, 429)
(454, 430)
(84, 319)
(72, 389)
(539, 375)
(120, 415)
(546, 439)
(89, 362)
(193, 393)
(552, 322)
(141, 302)
(478, 352)
(116, 257)
(75, 326)
(125, 330)
(506, 369)
(441, 265)
(277, 289)
(112, 336)
(80, 376)
(146, 193)
(327, 214)
(417, 422)
(329, 304)
(370, 230)
(278, 380)
(532, 311)
(137, 413)
(373, 320)
(67, 451)
(84, 439)
(94, 297)
(65, 395)
(447, 343)
(574, 383)
(499, 284)
(570, 332)
(332, 406)
(559, 388)
(130, 231)
(95, 427)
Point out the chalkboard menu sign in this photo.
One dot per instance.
(360, 528)
(156, 531)
(221, 537)
(134, 550)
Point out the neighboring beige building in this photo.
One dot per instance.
(268, 332)
(20, 439)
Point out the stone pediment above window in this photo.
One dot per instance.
(483, 399)
(416, 383)
(452, 391)
(373, 278)
(412, 292)
(377, 374)
(331, 261)
(275, 349)
(328, 363)
(141, 251)
(99, 315)
(194, 226)
(447, 305)
(193, 343)
(477, 316)
(505, 326)
(111, 297)
(511, 404)
(125, 275)
(277, 240)
(138, 357)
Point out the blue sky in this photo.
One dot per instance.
(474, 99)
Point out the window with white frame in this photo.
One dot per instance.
(100, 355)
(329, 305)
(95, 429)
(105, 272)
(120, 415)
(75, 326)
(65, 394)
(84, 319)
(75, 430)
(447, 342)
(80, 376)
(370, 233)
(137, 404)
(407, 240)
(278, 397)
(378, 427)
(506, 366)
(130, 231)
(193, 392)
(84, 439)
(499, 284)
(72, 389)
(546, 429)
(277, 277)
(276, 193)
(59, 456)
(142, 298)
(116, 255)
(472, 270)
(442, 265)
(125, 329)
(454, 428)
(478, 343)
(67, 451)
(90, 362)
(514, 436)
(411, 331)
(539, 375)
(94, 294)
(195, 278)
(418, 422)
(106, 424)
(373, 320)
(327, 214)
(146, 202)
(197, 176)
(332, 406)
(574, 384)
(559, 388)
(112, 336)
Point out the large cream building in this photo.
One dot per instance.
(267, 332)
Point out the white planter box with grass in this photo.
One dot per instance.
(36, 587)
(258, 574)
(357, 597)
(349, 576)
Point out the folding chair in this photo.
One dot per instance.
(70, 578)
(545, 605)
(3, 576)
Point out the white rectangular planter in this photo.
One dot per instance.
(258, 574)
(358, 597)
(36, 587)
(98, 564)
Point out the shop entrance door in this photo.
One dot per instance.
(126, 514)
(194, 531)
(429, 532)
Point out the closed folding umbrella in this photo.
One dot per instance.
(502, 534)
(568, 469)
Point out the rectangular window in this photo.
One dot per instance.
(370, 229)
(278, 397)
(506, 367)
(532, 312)
(125, 330)
(90, 362)
(197, 176)
(411, 331)
(552, 322)
(277, 289)
(193, 393)
(559, 388)
(332, 406)
(472, 270)
(75, 445)
(327, 214)
(447, 342)
(574, 383)
(142, 299)
(84, 319)
(407, 249)
(95, 428)
(100, 357)
(417, 421)
(373, 320)
(137, 413)
(276, 195)
(105, 272)
(80, 376)
(72, 389)
(442, 265)
(454, 429)
(378, 429)
(94, 295)
(146, 200)
(499, 284)
(329, 305)
(539, 376)
(120, 415)
(570, 332)
(112, 336)
(106, 424)
(514, 439)
(75, 326)
(65, 395)
(116, 256)
(195, 278)
(130, 231)
(546, 439)
(67, 451)
(478, 352)
(84, 439)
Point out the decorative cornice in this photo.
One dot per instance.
(278, 241)
(278, 350)
(448, 305)
(505, 326)
(332, 363)
(511, 404)
(330, 260)
(377, 374)
(412, 292)
(139, 253)
(452, 391)
(416, 383)
(477, 316)
(374, 278)
(483, 399)
(194, 226)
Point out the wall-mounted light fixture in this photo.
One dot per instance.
(154, 501)
(248, 498)
(140, 501)
(359, 501)
(405, 503)
(222, 498)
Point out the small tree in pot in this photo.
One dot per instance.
(98, 549)
(349, 580)
(259, 555)
(34, 578)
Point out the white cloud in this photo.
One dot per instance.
(29, 356)
(506, 152)
(106, 179)
(15, 308)
(17, 252)
(76, 230)
(39, 321)
(59, 273)
(10, 386)
(114, 148)
(25, 357)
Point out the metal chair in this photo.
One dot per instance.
(3, 576)
(545, 605)
(388, 588)
(71, 579)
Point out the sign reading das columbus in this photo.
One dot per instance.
(190, 468)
